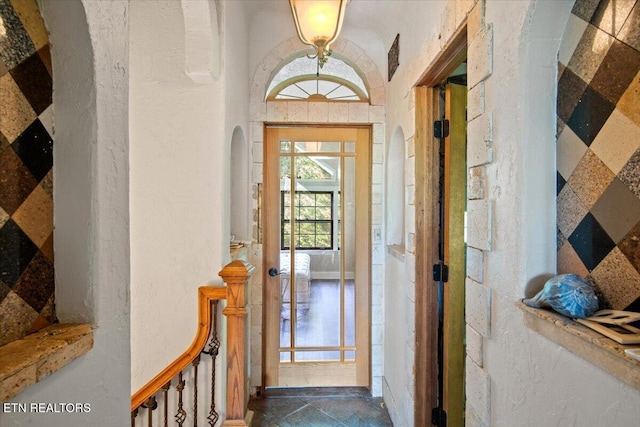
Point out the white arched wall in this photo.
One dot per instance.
(202, 40)
(179, 159)
(399, 335)
(91, 212)
(395, 185)
(532, 372)
(320, 113)
(239, 203)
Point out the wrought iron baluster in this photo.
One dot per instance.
(195, 364)
(134, 414)
(214, 347)
(181, 415)
(165, 396)
(151, 404)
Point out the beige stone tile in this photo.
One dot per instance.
(571, 37)
(338, 112)
(617, 279)
(478, 303)
(297, 111)
(4, 217)
(17, 317)
(611, 15)
(570, 150)
(47, 183)
(616, 142)
(27, 11)
(630, 101)
(35, 216)
(47, 248)
(276, 111)
(590, 179)
(318, 112)
(15, 111)
(570, 262)
(570, 211)
(590, 52)
(358, 112)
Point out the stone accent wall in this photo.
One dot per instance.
(26, 160)
(599, 149)
(479, 210)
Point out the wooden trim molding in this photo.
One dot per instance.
(449, 58)
(426, 297)
(206, 294)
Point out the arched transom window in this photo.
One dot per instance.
(300, 79)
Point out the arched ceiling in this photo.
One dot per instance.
(370, 24)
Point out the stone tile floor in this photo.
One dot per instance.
(319, 407)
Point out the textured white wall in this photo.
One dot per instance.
(399, 339)
(514, 376)
(179, 151)
(91, 210)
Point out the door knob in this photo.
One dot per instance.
(273, 272)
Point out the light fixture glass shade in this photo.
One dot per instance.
(318, 23)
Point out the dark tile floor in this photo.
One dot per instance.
(319, 407)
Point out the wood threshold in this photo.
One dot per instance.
(36, 356)
(586, 343)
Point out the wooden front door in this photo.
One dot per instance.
(316, 248)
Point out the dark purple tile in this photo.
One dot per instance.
(35, 148)
(616, 72)
(590, 115)
(34, 80)
(16, 46)
(570, 90)
(591, 242)
(16, 252)
(16, 181)
(36, 284)
(630, 246)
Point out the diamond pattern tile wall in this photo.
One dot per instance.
(598, 156)
(26, 161)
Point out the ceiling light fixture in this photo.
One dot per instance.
(318, 23)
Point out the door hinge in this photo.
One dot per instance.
(441, 128)
(440, 272)
(438, 417)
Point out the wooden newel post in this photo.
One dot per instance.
(236, 275)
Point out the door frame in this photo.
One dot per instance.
(270, 234)
(427, 222)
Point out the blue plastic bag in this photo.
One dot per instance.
(568, 294)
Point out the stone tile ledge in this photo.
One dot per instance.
(27, 361)
(585, 343)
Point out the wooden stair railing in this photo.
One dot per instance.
(236, 275)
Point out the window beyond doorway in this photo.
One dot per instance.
(313, 219)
